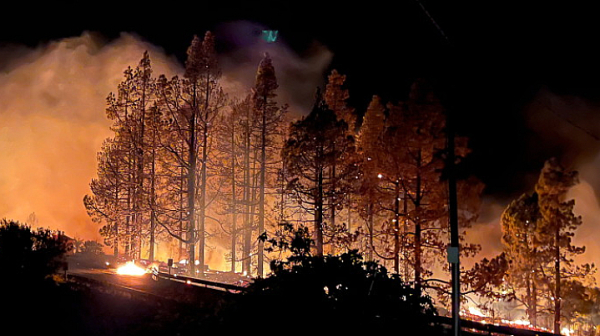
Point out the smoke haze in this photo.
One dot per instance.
(53, 122)
(52, 102)
(566, 127)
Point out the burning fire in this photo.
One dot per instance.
(475, 311)
(477, 314)
(130, 268)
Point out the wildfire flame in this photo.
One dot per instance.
(519, 323)
(476, 311)
(130, 268)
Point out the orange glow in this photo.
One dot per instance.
(52, 103)
(476, 311)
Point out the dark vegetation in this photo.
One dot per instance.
(341, 293)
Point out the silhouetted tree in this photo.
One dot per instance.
(269, 117)
(331, 293)
(316, 143)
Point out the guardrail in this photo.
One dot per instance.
(196, 281)
(492, 329)
(113, 288)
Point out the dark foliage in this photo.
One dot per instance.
(329, 293)
(29, 259)
(29, 256)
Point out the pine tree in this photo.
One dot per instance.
(192, 106)
(369, 144)
(558, 223)
(104, 204)
(336, 100)
(412, 184)
(269, 117)
(538, 228)
(316, 143)
(521, 223)
(415, 132)
(123, 161)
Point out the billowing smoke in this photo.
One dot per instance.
(52, 119)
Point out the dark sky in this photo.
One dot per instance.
(497, 55)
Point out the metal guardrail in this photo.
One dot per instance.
(492, 329)
(122, 290)
(191, 280)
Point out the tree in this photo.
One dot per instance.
(521, 224)
(538, 268)
(336, 100)
(269, 117)
(412, 166)
(191, 107)
(558, 223)
(369, 145)
(316, 143)
(118, 196)
(333, 293)
(91, 247)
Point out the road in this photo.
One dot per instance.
(142, 283)
(144, 287)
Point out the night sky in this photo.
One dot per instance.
(518, 74)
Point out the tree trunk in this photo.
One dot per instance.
(233, 201)
(417, 221)
(116, 242)
(153, 199)
(319, 213)
(247, 188)
(370, 224)
(333, 201)
(191, 190)
(557, 294)
(533, 301)
(397, 228)
(405, 237)
(261, 201)
(202, 205)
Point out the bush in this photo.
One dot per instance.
(29, 256)
(330, 293)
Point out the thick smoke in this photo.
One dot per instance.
(52, 112)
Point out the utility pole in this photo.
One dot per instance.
(454, 249)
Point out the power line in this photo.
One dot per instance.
(440, 30)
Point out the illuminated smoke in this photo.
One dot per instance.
(566, 127)
(53, 122)
(297, 76)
